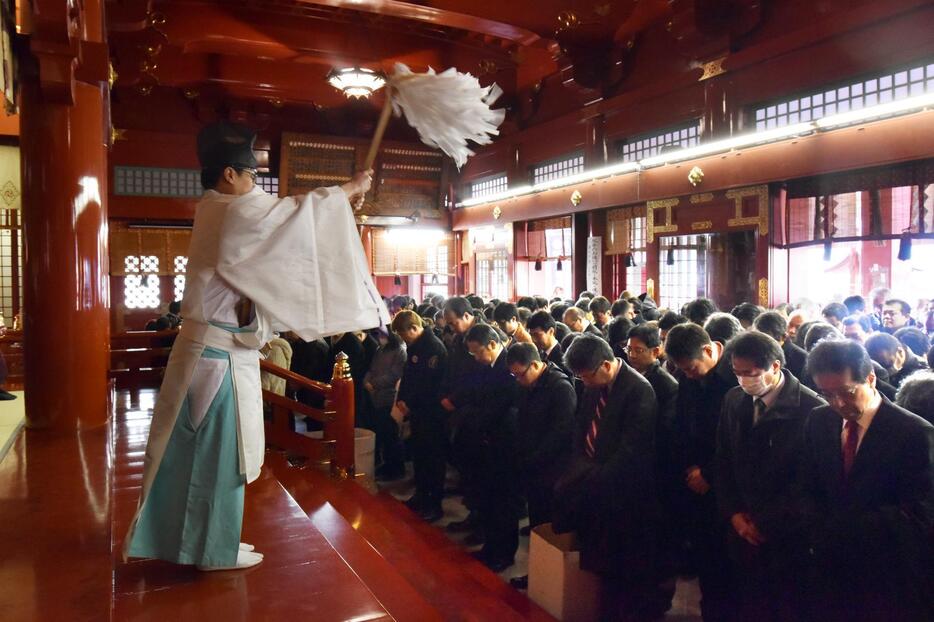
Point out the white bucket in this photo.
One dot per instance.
(364, 445)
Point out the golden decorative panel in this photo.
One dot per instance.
(668, 227)
(701, 225)
(764, 293)
(712, 69)
(762, 220)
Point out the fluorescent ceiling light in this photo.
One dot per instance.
(911, 104)
(727, 144)
(499, 196)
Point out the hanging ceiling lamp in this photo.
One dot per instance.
(538, 264)
(560, 265)
(630, 260)
(356, 81)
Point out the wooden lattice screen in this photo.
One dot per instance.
(408, 178)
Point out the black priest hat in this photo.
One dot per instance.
(223, 144)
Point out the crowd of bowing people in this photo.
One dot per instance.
(783, 457)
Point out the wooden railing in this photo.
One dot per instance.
(138, 359)
(11, 346)
(337, 446)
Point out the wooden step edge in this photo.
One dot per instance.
(425, 546)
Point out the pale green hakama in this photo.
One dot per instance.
(194, 511)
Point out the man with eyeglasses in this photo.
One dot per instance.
(896, 314)
(607, 495)
(642, 350)
(206, 440)
(759, 444)
(869, 479)
(546, 405)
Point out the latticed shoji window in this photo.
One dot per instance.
(626, 234)
(489, 186)
(11, 263)
(412, 251)
(144, 254)
(437, 282)
(853, 95)
(684, 279)
(493, 275)
(268, 183)
(556, 169)
(648, 145)
(181, 267)
(141, 283)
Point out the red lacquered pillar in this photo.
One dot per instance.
(66, 294)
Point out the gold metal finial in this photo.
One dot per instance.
(112, 75)
(342, 366)
(696, 176)
(576, 198)
(116, 134)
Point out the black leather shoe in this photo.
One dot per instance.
(461, 526)
(499, 564)
(388, 473)
(4, 395)
(430, 514)
(415, 503)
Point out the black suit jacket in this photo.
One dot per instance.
(795, 358)
(546, 425)
(610, 499)
(758, 464)
(871, 535)
(668, 472)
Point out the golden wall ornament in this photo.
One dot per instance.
(762, 220)
(497, 213)
(706, 197)
(701, 225)
(112, 75)
(668, 226)
(764, 293)
(696, 176)
(576, 198)
(712, 69)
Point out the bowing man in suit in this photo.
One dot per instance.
(870, 479)
(497, 462)
(759, 445)
(542, 327)
(607, 495)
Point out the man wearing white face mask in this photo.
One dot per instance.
(759, 443)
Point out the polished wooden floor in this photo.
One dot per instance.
(333, 550)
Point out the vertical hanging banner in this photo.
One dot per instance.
(595, 264)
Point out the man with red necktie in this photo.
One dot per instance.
(607, 496)
(869, 481)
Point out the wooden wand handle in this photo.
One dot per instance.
(377, 139)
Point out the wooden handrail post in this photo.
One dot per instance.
(341, 430)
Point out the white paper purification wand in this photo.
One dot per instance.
(447, 109)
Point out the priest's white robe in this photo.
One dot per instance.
(301, 263)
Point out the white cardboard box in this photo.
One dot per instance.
(556, 581)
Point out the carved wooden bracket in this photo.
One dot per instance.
(55, 44)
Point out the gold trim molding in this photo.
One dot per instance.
(701, 225)
(706, 197)
(668, 227)
(764, 293)
(762, 220)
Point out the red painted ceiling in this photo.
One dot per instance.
(281, 50)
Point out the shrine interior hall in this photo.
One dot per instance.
(763, 151)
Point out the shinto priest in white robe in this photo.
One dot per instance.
(299, 260)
